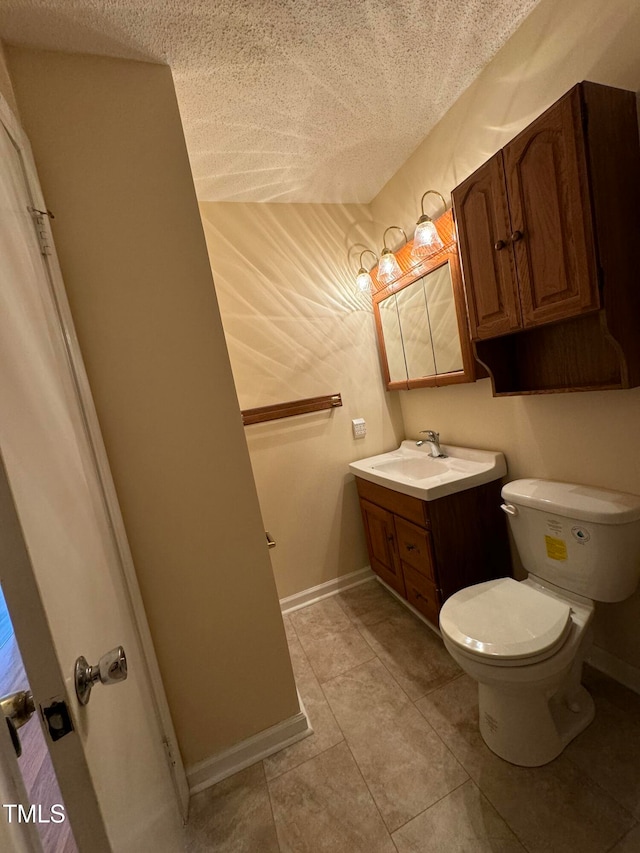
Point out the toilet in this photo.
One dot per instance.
(524, 642)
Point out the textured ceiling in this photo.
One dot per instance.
(289, 100)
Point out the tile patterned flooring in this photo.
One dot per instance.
(396, 763)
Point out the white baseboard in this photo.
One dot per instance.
(218, 767)
(325, 590)
(615, 668)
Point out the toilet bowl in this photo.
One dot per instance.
(525, 642)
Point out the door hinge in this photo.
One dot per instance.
(42, 230)
(168, 752)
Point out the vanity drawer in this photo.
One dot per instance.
(414, 547)
(404, 505)
(421, 593)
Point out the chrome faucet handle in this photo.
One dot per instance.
(431, 435)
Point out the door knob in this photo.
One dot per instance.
(17, 709)
(110, 669)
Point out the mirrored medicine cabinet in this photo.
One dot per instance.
(421, 319)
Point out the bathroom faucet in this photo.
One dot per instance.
(433, 440)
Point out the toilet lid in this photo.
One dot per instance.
(505, 619)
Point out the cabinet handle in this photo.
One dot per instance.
(390, 537)
(500, 244)
(517, 235)
(409, 546)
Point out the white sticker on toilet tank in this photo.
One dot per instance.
(554, 526)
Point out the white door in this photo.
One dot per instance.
(59, 563)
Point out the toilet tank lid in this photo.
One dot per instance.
(586, 503)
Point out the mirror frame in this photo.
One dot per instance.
(411, 271)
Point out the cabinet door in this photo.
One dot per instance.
(484, 228)
(547, 185)
(380, 531)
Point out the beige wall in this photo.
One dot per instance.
(295, 328)
(6, 87)
(109, 147)
(589, 437)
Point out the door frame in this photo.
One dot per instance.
(62, 318)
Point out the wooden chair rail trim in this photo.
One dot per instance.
(289, 410)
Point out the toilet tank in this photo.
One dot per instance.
(583, 539)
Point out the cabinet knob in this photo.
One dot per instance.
(517, 235)
(500, 244)
(409, 546)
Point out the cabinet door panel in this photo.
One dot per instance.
(380, 532)
(545, 170)
(482, 216)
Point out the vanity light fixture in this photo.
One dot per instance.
(388, 267)
(426, 240)
(364, 281)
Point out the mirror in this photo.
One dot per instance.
(421, 319)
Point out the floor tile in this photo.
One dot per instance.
(326, 732)
(599, 684)
(320, 619)
(233, 816)
(630, 843)
(289, 630)
(462, 822)
(552, 808)
(413, 653)
(324, 805)
(405, 764)
(336, 653)
(608, 751)
(369, 603)
(452, 710)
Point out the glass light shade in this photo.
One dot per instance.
(388, 268)
(364, 282)
(426, 240)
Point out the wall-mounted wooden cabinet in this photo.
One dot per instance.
(548, 230)
(427, 550)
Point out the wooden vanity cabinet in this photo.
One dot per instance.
(426, 551)
(548, 230)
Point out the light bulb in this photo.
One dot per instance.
(426, 240)
(364, 282)
(388, 268)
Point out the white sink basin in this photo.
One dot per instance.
(412, 471)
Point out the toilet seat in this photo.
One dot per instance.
(506, 623)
